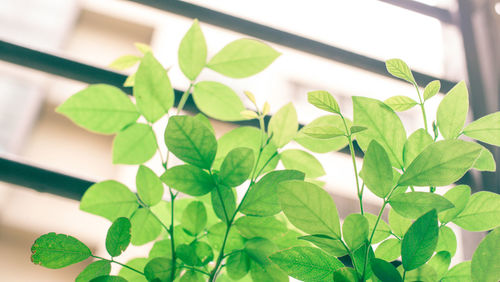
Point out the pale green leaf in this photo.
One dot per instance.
(93, 270)
(259, 250)
(192, 52)
(399, 224)
(346, 274)
(355, 230)
(237, 166)
(440, 262)
(191, 276)
(383, 230)
(135, 144)
(238, 265)
(223, 202)
(385, 271)
(458, 196)
(400, 103)
(124, 62)
(328, 244)
(188, 179)
(145, 227)
(485, 161)
(162, 248)
(414, 204)
(359, 257)
(265, 227)
(149, 186)
(485, 266)
(129, 82)
(485, 129)
(389, 249)
(218, 101)
(323, 100)
(142, 47)
(481, 213)
(323, 145)
(415, 144)
(58, 250)
(267, 273)
(118, 236)
(452, 111)
(283, 125)
(377, 170)
(447, 240)
(424, 273)
(194, 218)
(215, 237)
(323, 132)
(295, 159)
(132, 276)
(459, 273)
(432, 89)
(399, 69)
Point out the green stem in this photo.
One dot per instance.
(421, 106)
(119, 263)
(404, 274)
(195, 269)
(351, 255)
(171, 231)
(184, 98)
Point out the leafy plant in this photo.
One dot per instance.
(285, 224)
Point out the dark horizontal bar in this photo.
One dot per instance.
(441, 14)
(284, 38)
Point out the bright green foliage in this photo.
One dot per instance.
(149, 186)
(420, 241)
(323, 145)
(58, 250)
(259, 250)
(237, 166)
(485, 129)
(355, 230)
(188, 179)
(192, 51)
(452, 111)
(94, 270)
(400, 103)
(267, 273)
(306, 263)
(302, 161)
(216, 237)
(283, 125)
(158, 269)
(132, 276)
(389, 249)
(309, 208)
(415, 204)
(485, 161)
(191, 141)
(265, 227)
(385, 271)
(377, 170)
(191, 276)
(109, 199)
(100, 108)
(481, 213)
(153, 91)
(145, 227)
(399, 224)
(328, 244)
(486, 260)
(362, 260)
(161, 248)
(423, 273)
(135, 144)
(345, 274)
(108, 278)
(447, 240)
(459, 273)
(323, 132)
(440, 262)
(118, 237)
(399, 69)
(432, 89)
(124, 62)
(323, 100)
(243, 58)
(223, 202)
(194, 218)
(238, 265)
(218, 101)
(415, 144)
(458, 196)
(383, 230)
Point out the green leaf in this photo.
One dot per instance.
(100, 108)
(149, 186)
(328, 244)
(204, 252)
(399, 224)
(452, 111)
(294, 159)
(238, 265)
(356, 129)
(481, 213)
(132, 276)
(290, 239)
(143, 48)
(486, 259)
(93, 270)
(223, 202)
(447, 240)
(377, 170)
(118, 237)
(485, 161)
(424, 273)
(218, 101)
(414, 204)
(383, 230)
(324, 101)
(191, 276)
(188, 179)
(215, 237)
(243, 58)
(389, 250)
(355, 230)
(259, 250)
(458, 196)
(162, 248)
(306, 263)
(459, 273)
(135, 144)
(323, 145)
(399, 69)
(237, 166)
(441, 163)
(265, 227)
(283, 125)
(124, 62)
(309, 208)
(485, 129)
(109, 278)
(109, 199)
(201, 118)
(415, 144)
(145, 227)
(194, 218)
(191, 141)
(58, 250)
(440, 262)
(158, 269)
(400, 103)
(153, 91)
(420, 241)
(432, 89)
(192, 52)
(345, 274)
(384, 126)
(187, 254)
(129, 82)
(267, 273)
(359, 257)
(323, 132)
(385, 271)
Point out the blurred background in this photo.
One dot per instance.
(51, 49)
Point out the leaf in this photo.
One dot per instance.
(192, 52)
(145, 227)
(414, 204)
(309, 208)
(400, 103)
(399, 69)
(149, 186)
(158, 269)
(385, 271)
(203, 251)
(237, 166)
(323, 145)
(187, 254)
(432, 89)
(247, 114)
(283, 125)
(194, 218)
(447, 240)
(238, 265)
(383, 230)
(384, 126)
(216, 234)
(323, 132)
(162, 248)
(481, 213)
(108, 278)
(328, 244)
(191, 141)
(218, 101)
(355, 230)
(458, 196)
(485, 264)
(135, 144)
(485, 161)
(389, 250)
(118, 237)
(267, 273)
(94, 270)
(189, 180)
(243, 58)
(58, 250)
(129, 82)
(132, 276)
(424, 273)
(459, 273)
(109, 199)
(440, 262)
(399, 224)
(359, 257)
(294, 159)
(415, 144)
(262, 198)
(356, 129)
(452, 111)
(124, 62)
(420, 241)
(306, 263)
(485, 129)
(377, 170)
(223, 202)
(259, 250)
(100, 108)
(143, 48)
(345, 274)
(441, 163)
(191, 276)
(324, 101)
(265, 227)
